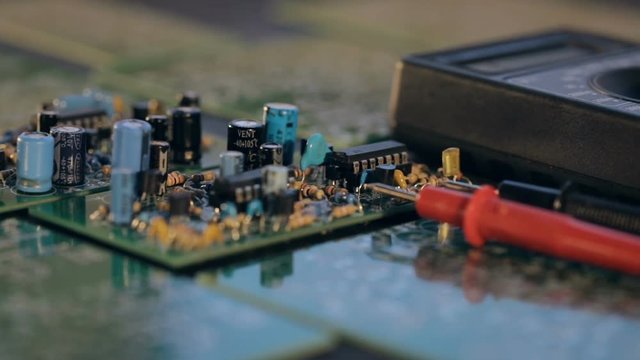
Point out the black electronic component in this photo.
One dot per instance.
(271, 154)
(179, 203)
(3, 159)
(246, 136)
(69, 155)
(582, 206)
(140, 110)
(348, 164)
(189, 98)
(384, 174)
(159, 127)
(159, 160)
(45, 120)
(544, 109)
(151, 181)
(240, 188)
(186, 135)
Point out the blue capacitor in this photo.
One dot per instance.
(281, 121)
(35, 162)
(131, 141)
(123, 194)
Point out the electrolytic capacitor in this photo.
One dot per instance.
(246, 136)
(186, 135)
(275, 179)
(123, 195)
(270, 154)
(35, 162)
(189, 98)
(142, 109)
(281, 121)
(45, 120)
(70, 155)
(3, 159)
(159, 160)
(159, 127)
(131, 144)
(179, 203)
(151, 181)
(231, 163)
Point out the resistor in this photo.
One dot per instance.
(106, 170)
(175, 178)
(311, 191)
(344, 211)
(204, 176)
(300, 205)
(300, 174)
(399, 179)
(331, 190)
(101, 213)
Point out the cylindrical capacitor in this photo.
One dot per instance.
(231, 163)
(140, 110)
(35, 162)
(285, 201)
(131, 141)
(45, 120)
(189, 98)
(159, 127)
(281, 121)
(160, 161)
(275, 179)
(187, 135)
(70, 155)
(270, 154)
(3, 158)
(246, 136)
(151, 183)
(179, 202)
(123, 194)
(451, 162)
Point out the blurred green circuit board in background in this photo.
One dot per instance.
(73, 214)
(62, 298)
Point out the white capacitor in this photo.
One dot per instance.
(275, 179)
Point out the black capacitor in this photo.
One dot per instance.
(159, 127)
(46, 120)
(285, 201)
(179, 202)
(69, 155)
(246, 136)
(189, 98)
(140, 110)
(151, 181)
(271, 154)
(159, 160)
(187, 135)
(3, 159)
(384, 174)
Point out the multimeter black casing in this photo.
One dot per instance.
(547, 108)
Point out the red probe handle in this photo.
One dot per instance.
(483, 215)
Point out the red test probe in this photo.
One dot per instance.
(484, 215)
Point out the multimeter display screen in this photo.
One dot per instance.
(510, 62)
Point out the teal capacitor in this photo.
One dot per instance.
(316, 151)
(131, 145)
(281, 121)
(123, 195)
(35, 162)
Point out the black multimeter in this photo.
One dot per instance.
(547, 108)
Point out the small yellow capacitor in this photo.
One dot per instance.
(451, 162)
(400, 179)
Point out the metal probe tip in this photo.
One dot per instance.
(390, 190)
